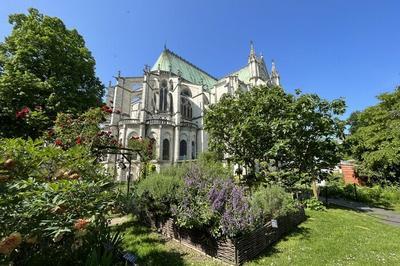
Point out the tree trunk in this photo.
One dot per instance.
(315, 188)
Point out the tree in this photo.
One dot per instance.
(291, 137)
(247, 126)
(375, 139)
(316, 134)
(45, 69)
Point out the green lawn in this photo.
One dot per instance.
(334, 237)
(396, 208)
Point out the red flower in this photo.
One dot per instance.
(106, 109)
(78, 140)
(23, 112)
(58, 142)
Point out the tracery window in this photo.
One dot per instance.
(163, 96)
(186, 108)
(193, 150)
(183, 149)
(165, 152)
(170, 103)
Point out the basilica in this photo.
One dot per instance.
(168, 102)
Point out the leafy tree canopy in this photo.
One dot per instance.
(290, 137)
(375, 138)
(45, 69)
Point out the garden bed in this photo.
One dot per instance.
(238, 250)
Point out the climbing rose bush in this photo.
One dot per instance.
(70, 130)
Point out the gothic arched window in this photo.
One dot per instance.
(186, 92)
(171, 103)
(165, 151)
(182, 149)
(163, 96)
(186, 108)
(193, 150)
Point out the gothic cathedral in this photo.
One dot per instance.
(168, 103)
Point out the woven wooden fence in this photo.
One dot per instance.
(238, 250)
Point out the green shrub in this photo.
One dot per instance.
(272, 201)
(212, 168)
(158, 192)
(377, 195)
(391, 194)
(53, 204)
(314, 204)
(33, 159)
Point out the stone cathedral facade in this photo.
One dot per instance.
(168, 104)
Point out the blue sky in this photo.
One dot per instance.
(336, 48)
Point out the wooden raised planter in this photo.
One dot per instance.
(238, 250)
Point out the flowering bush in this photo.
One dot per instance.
(198, 199)
(214, 203)
(194, 209)
(157, 194)
(85, 129)
(231, 203)
(31, 122)
(52, 203)
(23, 112)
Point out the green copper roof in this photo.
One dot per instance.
(243, 74)
(169, 61)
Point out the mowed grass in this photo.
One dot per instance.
(337, 237)
(333, 237)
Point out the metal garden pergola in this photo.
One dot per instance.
(126, 153)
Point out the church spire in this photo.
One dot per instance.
(252, 52)
(252, 56)
(273, 67)
(275, 78)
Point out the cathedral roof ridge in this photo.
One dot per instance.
(189, 63)
(235, 72)
(169, 61)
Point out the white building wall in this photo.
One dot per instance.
(139, 98)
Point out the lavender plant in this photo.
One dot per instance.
(217, 204)
(212, 203)
(231, 204)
